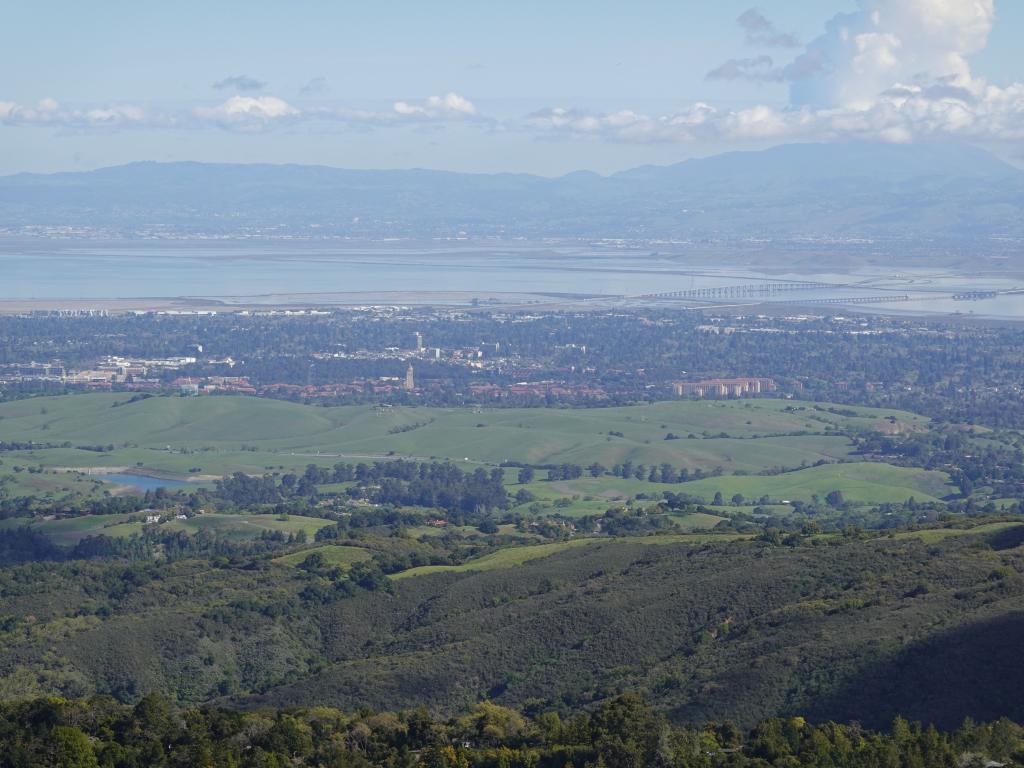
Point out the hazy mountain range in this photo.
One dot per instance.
(921, 192)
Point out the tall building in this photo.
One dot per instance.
(419, 341)
(724, 387)
(410, 383)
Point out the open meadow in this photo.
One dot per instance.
(207, 437)
(510, 557)
(333, 555)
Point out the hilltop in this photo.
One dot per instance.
(941, 192)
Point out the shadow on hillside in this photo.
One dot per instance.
(1008, 538)
(973, 671)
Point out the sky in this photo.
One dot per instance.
(531, 86)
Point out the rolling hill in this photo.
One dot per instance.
(214, 436)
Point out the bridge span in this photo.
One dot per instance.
(852, 299)
(752, 291)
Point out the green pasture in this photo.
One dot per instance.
(571, 503)
(861, 483)
(567, 499)
(768, 509)
(67, 532)
(511, 557)
(419, 531)
(696, 521)
(48, 484)
(935, 535)
(334, 555)
(608, 488)
(217, 435)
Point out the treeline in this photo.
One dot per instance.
(997, 462)
(655, 473)
(14, 445)
(25, 506)
(623, 732)
(438, 485)
(661, 473)
(25, 545)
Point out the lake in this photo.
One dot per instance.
(145, 483)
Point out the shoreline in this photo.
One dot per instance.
(469, 301)
(153, 474)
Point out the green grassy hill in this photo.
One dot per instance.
(50, 486)
(337, 555)
(214, 436)
(511, 557)
(760, 433)
(860, 482)
(90, 418)
(70, 531)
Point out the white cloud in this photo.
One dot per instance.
(886, 42)
(903, 115)
(895, 70)
(49, 112)
(248, 112)
(434, 107)
(239, 113)
(626, 125)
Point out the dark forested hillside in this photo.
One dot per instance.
(830, 628)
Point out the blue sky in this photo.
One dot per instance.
(542, 87)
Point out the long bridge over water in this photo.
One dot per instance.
(755, 290)
(855, 299)
(768, 289)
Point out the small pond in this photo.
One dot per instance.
(144, 482)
